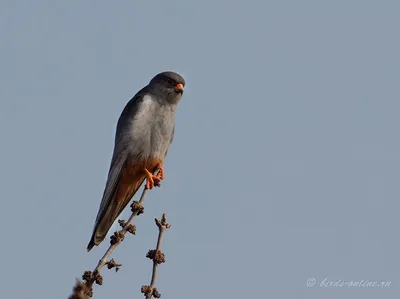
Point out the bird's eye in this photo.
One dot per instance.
(170, 81)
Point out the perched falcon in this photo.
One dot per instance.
(145, 130)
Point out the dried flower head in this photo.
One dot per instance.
(113, 264)
(131, 229)
(116, 237)
(137, 208)
(122, 222)
(87, 276)
(155, 293)
(146, 290)
(156, 255)
(80, 291)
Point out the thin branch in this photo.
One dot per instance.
(158, 258)
(123, 232)
(116, 240)
(95, 277)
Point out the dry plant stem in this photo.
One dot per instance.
(85, 290)
(162, 227)
(111, 249)
(124, 230)
(155, 265)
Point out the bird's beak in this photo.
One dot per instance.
(179, 88)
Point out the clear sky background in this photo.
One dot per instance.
(285, 163)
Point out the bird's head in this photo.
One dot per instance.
(169, 85)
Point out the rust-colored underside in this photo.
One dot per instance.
(132, 175)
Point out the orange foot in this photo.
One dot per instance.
(161, 170)
(152, 180)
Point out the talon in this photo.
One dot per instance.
(149, 183)
(157, 184)
(152, 180)
(161, 171)
(156, 181)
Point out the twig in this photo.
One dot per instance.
(158, 258)
(95, 277)
(122, 232)
(115, 241)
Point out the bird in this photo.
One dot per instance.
(143, 135)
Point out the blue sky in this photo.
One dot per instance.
(284, 165)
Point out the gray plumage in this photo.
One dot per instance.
(145, 130)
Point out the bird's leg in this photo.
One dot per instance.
(161, 170)
(152, 180)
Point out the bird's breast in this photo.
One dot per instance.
(152, 128)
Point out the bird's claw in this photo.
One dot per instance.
(152, 180)
(160, 171)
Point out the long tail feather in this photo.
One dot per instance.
(120, 199)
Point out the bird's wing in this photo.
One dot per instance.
(109, 208)
(170, 141)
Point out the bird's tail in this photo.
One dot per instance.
(91, 243)
(119, 201)
(102, 228)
